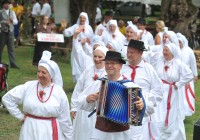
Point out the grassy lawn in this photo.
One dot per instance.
(10, 127)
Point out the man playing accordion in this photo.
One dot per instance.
(106, 129)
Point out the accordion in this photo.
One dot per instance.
(116, 103)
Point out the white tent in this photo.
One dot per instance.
(155, 2)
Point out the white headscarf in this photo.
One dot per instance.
(183, 38)
(116, 45)
(86, 16)
(103, 49)
(132, 26)
(51, 67)
(97, 40)
(173, 37)
(112, 22)
(173, 49)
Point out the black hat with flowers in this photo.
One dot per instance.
(112, 55)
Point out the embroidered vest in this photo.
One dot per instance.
(3, 17)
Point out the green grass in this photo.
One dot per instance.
(10, 127)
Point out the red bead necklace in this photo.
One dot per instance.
(41, 93)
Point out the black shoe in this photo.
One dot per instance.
(15, 67)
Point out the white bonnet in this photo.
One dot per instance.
(51, 67)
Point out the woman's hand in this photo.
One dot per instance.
(92, 98)
(63, 23)
(195, 79)
(139, 103)
(73, 114)
(22, 121)
(78, 30)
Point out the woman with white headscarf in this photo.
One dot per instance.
(174, 75)
(112, 33)
(83, 126)
(46, 114)
(114, 46)
(81, 46)
(188, 57)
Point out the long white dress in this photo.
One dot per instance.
(82, 58)
(97, 134)
(82, 124)
(152, 91)
(56, 106)
(178, 73)
(188, 57)
(77, 67)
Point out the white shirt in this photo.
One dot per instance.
(147, 38)
(36, 9)
(46, 10)
(15, 21)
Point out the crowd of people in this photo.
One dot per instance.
(164, 68)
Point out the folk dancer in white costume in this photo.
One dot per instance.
(85, 35)
(82, 54)
(105, 129)
(45, 105)
(144, 75)
(188, 57)
(102, 26)
(145, 35)
(82, 125)
(112, 33)
(168, 117)
(132, 32)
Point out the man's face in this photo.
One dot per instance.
(113, 67)
(107, 18)
(6, 6)
(133, 55)
(141, 26)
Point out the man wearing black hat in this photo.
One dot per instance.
(144, 75)
(145, 35)
(104, 128)
(7, 20)
(102, 27)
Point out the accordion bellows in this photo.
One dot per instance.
(116, 103)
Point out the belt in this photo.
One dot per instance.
(54, 124)
(168, 99)
(187, 96)
(106, 125)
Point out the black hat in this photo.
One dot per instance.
(111, 55)
(137, 44)
(141, 21)
(108, 13)
(5, 1)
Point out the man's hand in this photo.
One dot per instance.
(73, 114)
(92, 97)
(195, 79)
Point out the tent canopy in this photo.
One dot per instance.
(156, 2)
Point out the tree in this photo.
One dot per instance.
(180, 16)
(88, 6)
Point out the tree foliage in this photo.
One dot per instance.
(88, 6)
(180, 15)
